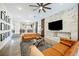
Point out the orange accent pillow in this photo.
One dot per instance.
(67, 43)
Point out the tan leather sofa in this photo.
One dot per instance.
(66, 47)
(30, 36)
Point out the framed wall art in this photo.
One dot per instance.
(0, 37)
(8, 20)
(3, 15)
(0, 26)
(3, 28)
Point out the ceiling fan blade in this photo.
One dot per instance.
(46, 4)
(39, 10)
(41, 4)
(47, 7)
(35, 9)
(38, 4)
(33, 6)
(43, 10)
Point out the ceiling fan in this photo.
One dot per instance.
(41, 7)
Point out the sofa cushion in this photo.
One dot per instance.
(60, 47)
(73, 50)
(51, 52)
(67, 41)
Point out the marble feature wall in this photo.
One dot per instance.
(70, 23)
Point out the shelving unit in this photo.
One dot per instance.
(5, 28)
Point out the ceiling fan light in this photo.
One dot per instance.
(41, 8)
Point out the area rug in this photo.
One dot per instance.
(25, 45)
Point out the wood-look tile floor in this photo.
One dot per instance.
(12, 48)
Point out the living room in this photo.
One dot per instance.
(25, 26)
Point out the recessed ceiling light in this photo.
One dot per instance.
(19, 8)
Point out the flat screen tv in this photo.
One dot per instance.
(55, 25)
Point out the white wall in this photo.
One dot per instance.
(39, 26)
(16, 26)
(34, 28)
(70, 22)
(27, 25)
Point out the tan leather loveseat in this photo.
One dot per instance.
(66, 47)
(30, 36)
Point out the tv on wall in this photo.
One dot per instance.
(55, 25)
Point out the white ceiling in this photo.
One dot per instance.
(22, 11)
